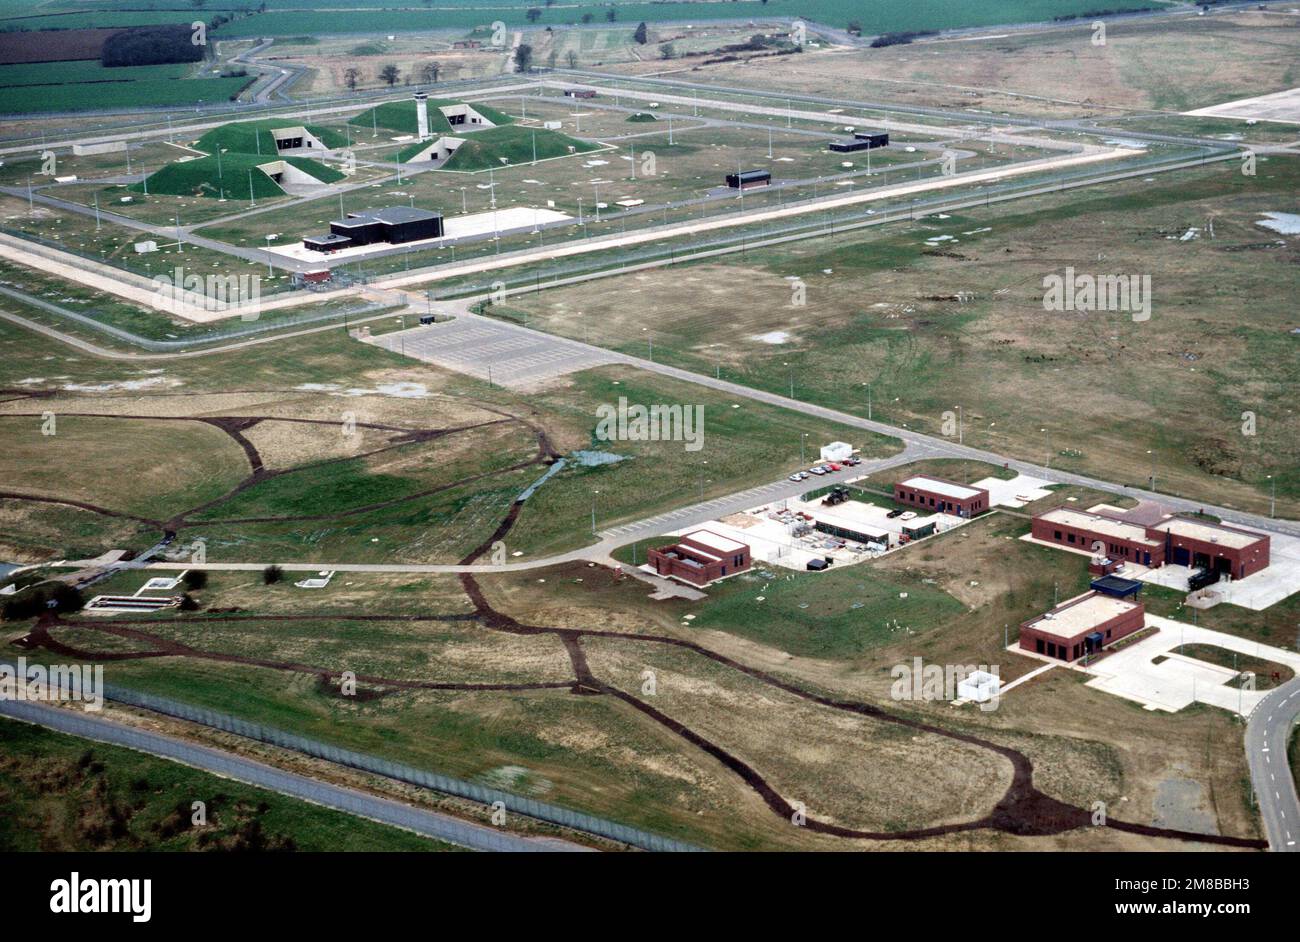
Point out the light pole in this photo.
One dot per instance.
(1153, 468)
(803, 447)
(1049, 446)
(868, 385)
(1272, 497)
(269, 237)
(593, 512)
(960, 432)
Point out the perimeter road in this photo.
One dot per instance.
(228, 765)
(1267, 735)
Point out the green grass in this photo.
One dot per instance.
(85, 70)
(839, 614)
(400, 116)
(254, 137)
(497, 147)
(232, 175)
(63, 793)
(102, 96)
(642, 117)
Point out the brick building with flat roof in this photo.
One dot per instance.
(1119, 539)
(940, 496)
(1180, 541)
(700, 557)
(1082, 625)
(1215, 546)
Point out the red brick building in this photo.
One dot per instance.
(700, 557)
(1215, 546)
(1082, 625)
(1180, 541)
(940, 496)
(1080, 530)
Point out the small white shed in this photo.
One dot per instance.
(836, 451)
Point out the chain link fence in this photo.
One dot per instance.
(481, 794)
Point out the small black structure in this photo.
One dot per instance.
(1117, 587)
(393, 225)
(875, 138)
(745, 179)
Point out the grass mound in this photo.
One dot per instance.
(254, 137)
(498, 147)
(642, 117)
(399, 116)
(236, 176)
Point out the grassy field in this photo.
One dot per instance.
(60, 793)
(502, 146)
(883, 309)
(255, 137)
(107, 95)
(1173, 64)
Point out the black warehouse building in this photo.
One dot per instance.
(748, 178)
(393, 225)
(861, 140)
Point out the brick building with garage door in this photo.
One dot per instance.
(700, 557)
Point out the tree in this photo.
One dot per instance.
(551, 59)
(611, 15)
(666, 51)
(533, 14)
(523, 57)
(430, 72)
(272, 574)
(195, 579)
(586, 17)
(187, 603)
(390, 74)
(640, 34)
(854, 28)
(573, 59)
(350, 76)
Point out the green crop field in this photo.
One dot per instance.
(101, 96)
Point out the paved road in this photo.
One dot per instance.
(228, 765)
(1267, 735)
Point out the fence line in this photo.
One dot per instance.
(459, 788)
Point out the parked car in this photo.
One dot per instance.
(795, 477)
(818, 470)
(894, 513)
(908, 515)
(835, 467)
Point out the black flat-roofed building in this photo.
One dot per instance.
(848, 145)
(873, 138)
(745, 179)
(393, 225)
(406, 223)
(330, 242)
(1117, 586)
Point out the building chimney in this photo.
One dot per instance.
(422, 115)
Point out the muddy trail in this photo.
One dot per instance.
(1023, 810)
(236, 426)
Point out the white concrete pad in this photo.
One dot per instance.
(1178, 680)
(1283, 107)
(1015, 492)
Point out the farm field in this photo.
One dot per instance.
(890, 318)
(1171, 65)
(74, 795)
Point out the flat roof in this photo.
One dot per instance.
(396, 214)
(850, 515)
(1208, 532)
(715, 541)
(1083, 520)
(750, 174)
(327, 237)
(1080, 615)
(940, 486)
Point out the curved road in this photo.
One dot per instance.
(1267, 735)
(228, 765)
